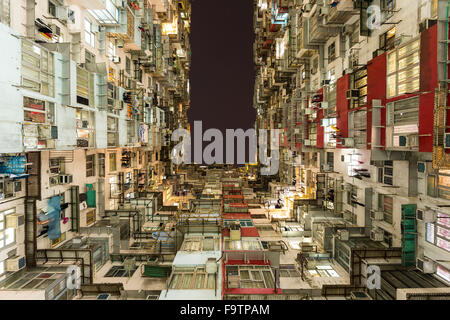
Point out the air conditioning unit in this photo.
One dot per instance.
(428, 216)
(324, 105)
(116, 60)
(348, 30)
(377, 215)
(14, 220)
(323, 11)
(426, 266)
(447, 141)
(343, 234)
(15, 263)
(65, 178)
(307, 7)
(45, 132)
(348, 142)
(326, 167)
(352, 94)
(62, 13)
(377, 235)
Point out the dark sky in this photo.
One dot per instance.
(222, 68)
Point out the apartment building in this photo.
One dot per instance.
(91, 91)
(358, 92)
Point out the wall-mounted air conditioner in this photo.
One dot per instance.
(343, 235)
(348, 142)
(323, 11)
(376, 235)
(116, 60)
(62, 13)
(428, 216)
(325, 167)
(14, 220)
(377, 215)
(426, 266)
(307, 7)
(15, 263)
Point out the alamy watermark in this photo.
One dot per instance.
(213, 152)
(373, 277)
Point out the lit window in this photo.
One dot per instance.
(403, 69)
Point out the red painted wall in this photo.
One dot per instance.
(342, 85)
(376, 89)
(428, 82)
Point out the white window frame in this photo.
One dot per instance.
(89, 36)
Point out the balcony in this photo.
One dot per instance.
(317, 32)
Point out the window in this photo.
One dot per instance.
(385, 204)
(89, 36)
(313, 133)
(444, 184)
(119, 272)
(7, 235)
(402, 124)
(315, 64)
(111, 50)
(359, 81)
(56, 168)
(439, 233)
(332, 52)
(388, 173)
(37, 68)
(249, 277)
(90, 165)
(85, 87)
(112, 135)
(191, 278)
(85, 128)
(128, 65)
(387, 40)
(441, 271)
(101, 164)
(5, 17)
(112, 162)
(52, 8)
(403, 69)
(354, 37)
(387, 7)
(56, 242)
